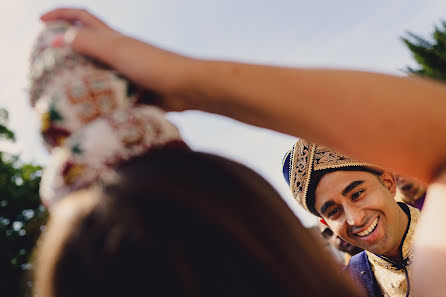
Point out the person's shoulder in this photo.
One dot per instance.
(361, 272)
(359, 268)
(358, 262)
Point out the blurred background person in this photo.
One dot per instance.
(411, 191)
(348, 250)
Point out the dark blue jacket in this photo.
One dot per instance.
(362, 274)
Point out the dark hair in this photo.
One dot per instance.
(318, 175)
(182, 223)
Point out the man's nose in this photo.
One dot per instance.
(354, 215)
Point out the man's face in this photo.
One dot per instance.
(338, 242)
(359, 207)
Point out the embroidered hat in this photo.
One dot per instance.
(305, 158)
(69, 90)
(92, 119)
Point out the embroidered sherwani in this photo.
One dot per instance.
(377, 275)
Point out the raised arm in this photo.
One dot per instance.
(396, 122)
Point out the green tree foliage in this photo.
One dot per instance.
(22, 217)
(5, 133)
(429, 55)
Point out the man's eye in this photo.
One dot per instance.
(357, 194)
(333, 212)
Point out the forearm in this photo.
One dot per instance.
(387, 120)
(390, 121)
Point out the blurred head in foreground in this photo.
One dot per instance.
(180, 223)
(134, 212)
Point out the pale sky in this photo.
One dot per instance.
(345, 34)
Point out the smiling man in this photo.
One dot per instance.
(356, 200)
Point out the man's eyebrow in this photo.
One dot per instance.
(326, 205)
(351, 186)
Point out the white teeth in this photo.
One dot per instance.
(370, 229)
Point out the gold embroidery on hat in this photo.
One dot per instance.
(301, 170)
(308, 157)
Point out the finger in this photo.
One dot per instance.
(73, 15)
(97, 44)
(93, 43)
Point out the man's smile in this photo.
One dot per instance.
(366, 231)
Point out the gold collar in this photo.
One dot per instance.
(407, 248)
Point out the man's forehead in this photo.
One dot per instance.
(344, 177)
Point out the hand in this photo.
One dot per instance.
(153, 68)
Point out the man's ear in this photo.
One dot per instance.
(388, 180)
